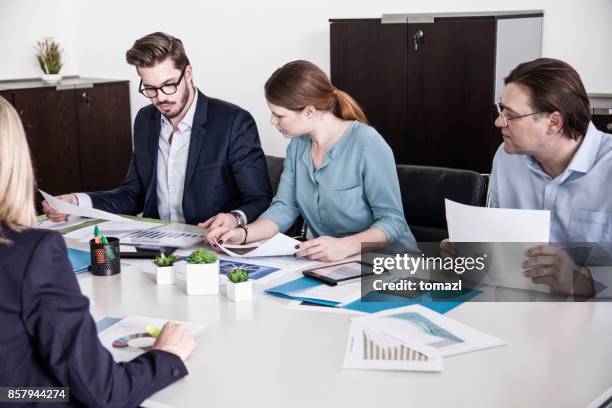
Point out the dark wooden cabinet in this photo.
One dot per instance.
(601, 109)
(79, 131)
(428, 84)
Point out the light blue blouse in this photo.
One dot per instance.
(355, 188)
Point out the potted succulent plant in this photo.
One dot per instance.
(202, 273)
(49, 56)
(239, 287)
(164, 273)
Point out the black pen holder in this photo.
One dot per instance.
(105, 260)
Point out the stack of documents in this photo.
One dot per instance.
(410, 338)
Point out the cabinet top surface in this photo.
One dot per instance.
(65, 83)
(420, 17)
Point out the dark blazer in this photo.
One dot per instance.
(48, 337)
(226, 168)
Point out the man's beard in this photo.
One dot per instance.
(181, 104)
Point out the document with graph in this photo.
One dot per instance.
(424, 326)
(371, 347)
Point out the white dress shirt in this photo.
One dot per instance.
(172, 163)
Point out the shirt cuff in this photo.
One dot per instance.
(84, 200)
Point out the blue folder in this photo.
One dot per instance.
(438, 301)
(80, 260)
(288, 290)
(106, 323)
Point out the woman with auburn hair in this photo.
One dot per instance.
(339, 173)
(49, 338)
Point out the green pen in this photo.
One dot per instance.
(109, 251)
(96, 231)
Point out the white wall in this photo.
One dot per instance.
(235, 45)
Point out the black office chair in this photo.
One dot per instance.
(423, 191)
(275, 169)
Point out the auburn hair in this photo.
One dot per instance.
(300, 83)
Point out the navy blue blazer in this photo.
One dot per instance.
(48, 337)
(226, 167)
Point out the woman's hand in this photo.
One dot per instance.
(328, 249)
(225, 235)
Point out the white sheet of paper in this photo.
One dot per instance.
(495, 226)
(373, 348)
(56, 226)
(343, 293)
(467, 223)
(70, 209)
(137, 324)
(423, 325)
(278, 245)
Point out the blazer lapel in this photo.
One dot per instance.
(198, 135)
(152, 149)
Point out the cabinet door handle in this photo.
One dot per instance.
(85, 98)
(418, 36)
(609, 126)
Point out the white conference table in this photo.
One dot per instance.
(259, 353)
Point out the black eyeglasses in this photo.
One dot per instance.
(168, 89)
(506, 118)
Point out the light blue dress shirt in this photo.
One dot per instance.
(355, 187)
(579, 200)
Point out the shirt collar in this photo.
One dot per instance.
(583, 160)
(187, 122)
(585, 157)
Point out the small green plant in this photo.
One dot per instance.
(201, 256)
(49, 55)
(238, 275)
(163, 260)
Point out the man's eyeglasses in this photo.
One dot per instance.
(168, 89)
(508, 117)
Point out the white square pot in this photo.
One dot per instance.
(239, 292)
(164, 275)
(202, 279)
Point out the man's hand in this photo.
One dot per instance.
(554, 267)
(55, 215)
(328, 249)
(220, 220)
(447, 249)
(176, 340)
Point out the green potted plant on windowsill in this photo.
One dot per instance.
(239, 288)
(202, 273)
(164, 273)
(49, 57)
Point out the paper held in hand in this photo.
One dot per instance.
(67, 208)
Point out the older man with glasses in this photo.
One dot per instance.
(553, 158)
(196, 159)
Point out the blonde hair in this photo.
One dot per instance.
(16, 175)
